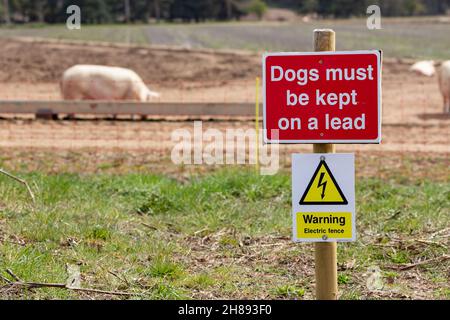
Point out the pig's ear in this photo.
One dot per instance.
(153, 94)
(437, 63)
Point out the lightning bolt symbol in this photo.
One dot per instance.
(322, 184)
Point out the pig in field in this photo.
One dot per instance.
(428, 68)
(91, 82)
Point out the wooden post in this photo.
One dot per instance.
(325, 252)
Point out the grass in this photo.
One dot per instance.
(289, 291)
(399, 37)
(224, 234)
(343, 279)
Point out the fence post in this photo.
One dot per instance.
(325, 252)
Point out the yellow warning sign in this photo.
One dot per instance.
(323, 188)
(325, 225)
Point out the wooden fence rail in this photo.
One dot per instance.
(126, 108)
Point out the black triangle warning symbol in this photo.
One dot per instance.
(323, 188)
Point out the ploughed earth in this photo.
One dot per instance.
(413, 121)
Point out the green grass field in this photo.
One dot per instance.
(407, 37)
(224, 234)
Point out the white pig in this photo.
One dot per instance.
(428, 68)
(92, 82)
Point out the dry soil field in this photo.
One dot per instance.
(30, 70)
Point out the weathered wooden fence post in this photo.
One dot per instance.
(325, 252)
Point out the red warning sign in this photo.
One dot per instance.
(322, 97)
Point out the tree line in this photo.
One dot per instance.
(111, 11)
(349, 8)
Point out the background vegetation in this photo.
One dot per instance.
(107, 11)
